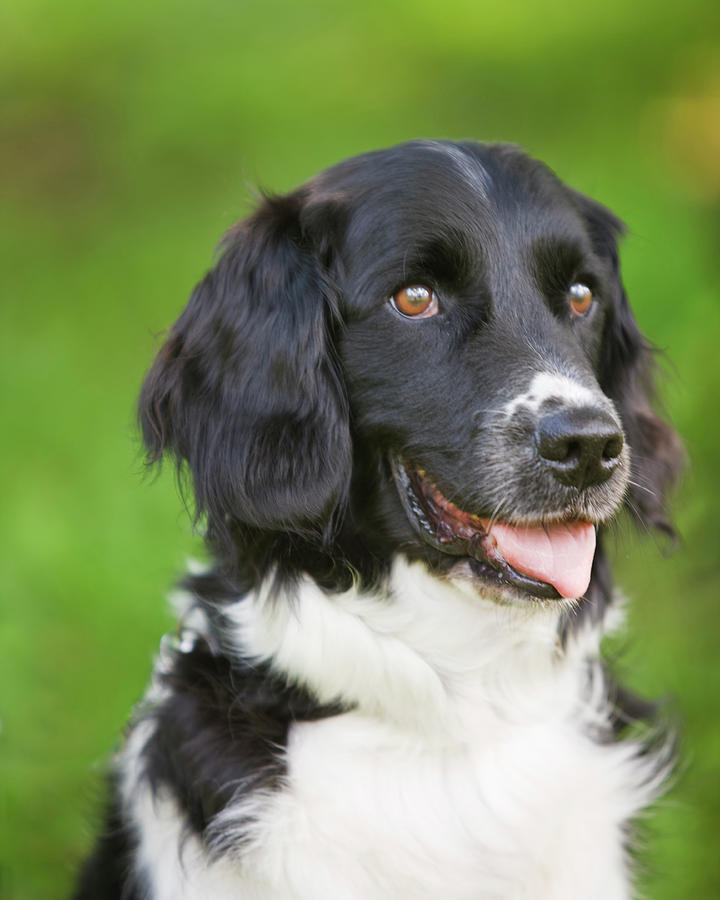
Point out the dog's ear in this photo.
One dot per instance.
(627, 375)
(245, 391)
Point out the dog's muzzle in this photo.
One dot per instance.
(543, 560)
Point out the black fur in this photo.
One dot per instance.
(288, 384)
(107, 873)
(219, 731)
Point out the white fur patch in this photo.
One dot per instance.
(553, 386)
(464, 770)
(173, 864)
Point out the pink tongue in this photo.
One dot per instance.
(560, 555)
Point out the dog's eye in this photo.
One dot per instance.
(581, 299)
(416, 302)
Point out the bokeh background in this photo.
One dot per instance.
(133, 134)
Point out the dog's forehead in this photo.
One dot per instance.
(427, 185)
(477, 207)
(455, 164)
(430, 165)
(413, 176)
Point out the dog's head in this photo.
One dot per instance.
(427, 350)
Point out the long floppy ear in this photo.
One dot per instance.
(246, 391)
(627, 375)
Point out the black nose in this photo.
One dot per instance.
(580, 445)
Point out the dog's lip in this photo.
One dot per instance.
(448, 528)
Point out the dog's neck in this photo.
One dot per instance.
(425, 652)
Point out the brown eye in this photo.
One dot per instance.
(581, 299)
(416, 302)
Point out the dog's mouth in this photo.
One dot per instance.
(547, 560)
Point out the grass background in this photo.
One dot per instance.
(130, 133)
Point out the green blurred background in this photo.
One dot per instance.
(132, 135)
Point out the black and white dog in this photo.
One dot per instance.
(409, 398)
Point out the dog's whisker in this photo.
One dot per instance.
(495, 514)
(642, 487)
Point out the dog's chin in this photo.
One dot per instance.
(472, 539)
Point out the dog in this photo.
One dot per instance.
(409, 399)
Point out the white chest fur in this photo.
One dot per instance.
(466, 769)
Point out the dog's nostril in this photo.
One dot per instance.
(572, 452)
(613, 448)
(555, 446)
(580, 445)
